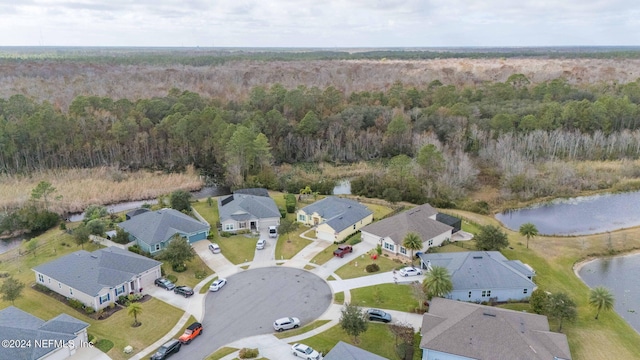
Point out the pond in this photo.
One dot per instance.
(8, 244)
(578, 216)
(612, 273)
(342, 188)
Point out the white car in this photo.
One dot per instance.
(305, 352)
(217, 285)
(286, 323)
(410, 271)
(214, 248)
(261, 244)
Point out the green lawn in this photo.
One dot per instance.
(290, 244)
(379, 211)
(222, 352)
(302, 330)
(188, 277)
(338, 298)
(324, 255)
(386, 296)
(377, 339)
(238, 248)
(350, 270)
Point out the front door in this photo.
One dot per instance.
(132, 286)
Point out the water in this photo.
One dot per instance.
(8, 244)
(613, 273)
(578, 216)
(205, 192)
(343, 188)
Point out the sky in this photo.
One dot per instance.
(319, 23)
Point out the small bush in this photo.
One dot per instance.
(91, 338)
(135, 249)
(123, 299)
(179, 268)
(89, 310)
(76, 304)
(226, 234)
(42, 288)
(200, 274)
(63, 226)
(372, 268)
(172, 278)
(354, 241)
(246, 353)
(243, 231)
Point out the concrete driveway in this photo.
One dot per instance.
(251, 301)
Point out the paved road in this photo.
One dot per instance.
(251, 301)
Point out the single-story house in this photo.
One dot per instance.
(389, 233)
(456, 330)
(483, 275)
(335, 218)
(97, 278)
(56, 339)
(344, 351)
(153, 230)
(248, 209)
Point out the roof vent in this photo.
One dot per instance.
(477, 257)
(93, 256)
(489, 313)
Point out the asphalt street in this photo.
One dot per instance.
(250, 303)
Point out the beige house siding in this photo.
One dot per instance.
(309, 219)
(326, 232)
(390, 246)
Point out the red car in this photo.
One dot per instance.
(191, 332)
(341, 250)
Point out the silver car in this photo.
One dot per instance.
(410, 271)
(305, 352)
(286, 323)
(261, 244)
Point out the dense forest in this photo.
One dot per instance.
(437, 140)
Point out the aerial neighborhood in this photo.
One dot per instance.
(343, 245)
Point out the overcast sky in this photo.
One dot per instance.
(319, 23)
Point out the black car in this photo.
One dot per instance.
(166, 350)
(164, 283)
(378, 315)
(183, 290)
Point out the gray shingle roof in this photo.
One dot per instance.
(253, 191)
(154, 227)
(93, 271)
(16, 324)
(344, 351)
(339, 213)
(246, 207)
(483, 332)
(414, 220)
(480, 270)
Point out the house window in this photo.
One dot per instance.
(228, 227)
(430, 242)
(486, 293)
(70, 291)
(354, 226)
(388, 246)
(524, 291)
(469, 294)
(302, 218)
(60, 285)
(119, 290)
(242, 225)
(157, 247)
(40, 278)
(104, 298)
(403, 250)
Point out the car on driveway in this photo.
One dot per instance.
(217, 285)
(164, 283)
(286, 323)
(342, 250)
(305, 352)
(191, 333)
(183, 290)
(410, 271)
(215, 248)
(166, 350)
(261, 244)
(378, 315)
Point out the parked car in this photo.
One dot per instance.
(378, 315)
(166, 350)
(286, 323)
(214, 248)
(164, 283)
(217, 285)
(305, 352)
(191, 333)
(183, 290)
(341, 250)
(410, 271)
(261, 244)
(273, 232)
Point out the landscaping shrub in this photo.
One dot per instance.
(354, 241)
(89, 310)
(290, 203)
(246, 353)
(283, 212)
(91, 338)
(172, 278)
(226, 234)
(123, 300)
(76, 304)
(372, 268)
(179, 268)
(42, 288)
(135, 249)
(200, 274)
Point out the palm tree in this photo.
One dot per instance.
(412, 241)
(528, 230)
(134, 309)
(601, 298)
(437, 282)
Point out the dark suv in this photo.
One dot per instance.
(164, 283)
(183, 290)
(166, 350)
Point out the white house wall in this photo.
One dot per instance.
(501, 294)
(58, 353)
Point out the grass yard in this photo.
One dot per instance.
(222, 352)
(196, 271)
(339, 298)
(309, 327)
(379, 211)
(290, 244)
(386, 296)
(325, 255)
(238, 248)
(350, 270)
(209, 213)
(376, 339)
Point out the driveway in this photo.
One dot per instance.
(251, 301)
